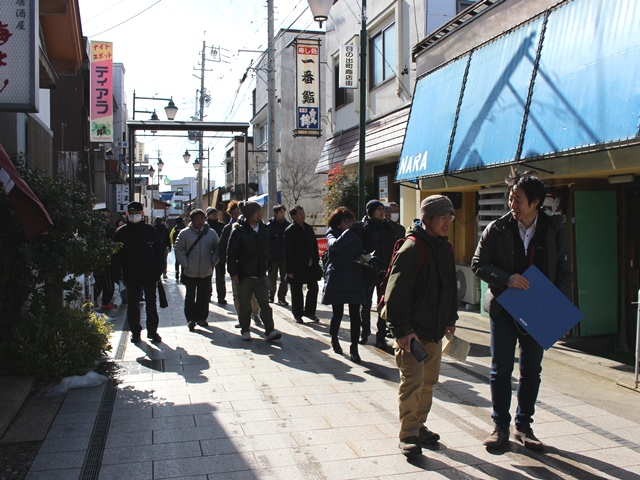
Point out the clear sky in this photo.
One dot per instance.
(160, 43)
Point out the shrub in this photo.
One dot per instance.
(35, 273)
(342, 191)
(50, 347)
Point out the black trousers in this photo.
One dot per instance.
(103, 285)
(134, 292)
(299, 307)
(221, 286)
(196, 299)
(354, 320)
(365, 311)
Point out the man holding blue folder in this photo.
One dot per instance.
(525, 236)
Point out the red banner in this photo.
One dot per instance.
(30, 212)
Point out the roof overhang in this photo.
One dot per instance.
(62, 35)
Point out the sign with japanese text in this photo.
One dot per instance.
(19, 81)
(141, 169)
(139, 156)
(122, 197)
(308, 86)
(101, 109)
(348, 66)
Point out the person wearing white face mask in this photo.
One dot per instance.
(392, 213)
(141, 259)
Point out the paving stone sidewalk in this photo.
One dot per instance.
(206, 405)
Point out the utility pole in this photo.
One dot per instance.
(200, 136)
(272, 164)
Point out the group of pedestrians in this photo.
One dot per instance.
(413, 274)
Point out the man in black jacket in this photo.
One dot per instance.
(302, 262)
(276, 226)
(141, 259)
(379, 235)
(508, 246)
(216, 225)
(247, 265)
(163, 233)
(234, 213)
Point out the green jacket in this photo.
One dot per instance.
(422, 299)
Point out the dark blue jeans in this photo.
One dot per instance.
(505, 333)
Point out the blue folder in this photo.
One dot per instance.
(542, 310)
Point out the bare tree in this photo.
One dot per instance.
(298, 180)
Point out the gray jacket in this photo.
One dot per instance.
(204, 255)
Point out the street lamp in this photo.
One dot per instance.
(196, 166)
(320, 10)
(170, 111)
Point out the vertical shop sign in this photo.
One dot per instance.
(348, 66)
(19, 80)
(308, 87)
(101, 111)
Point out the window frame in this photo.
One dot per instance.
(373, 53)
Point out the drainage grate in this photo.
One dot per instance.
(122, 345)
(93, 458)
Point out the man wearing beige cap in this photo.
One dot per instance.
(421, 303)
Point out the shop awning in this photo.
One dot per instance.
(264, 199)
(503, 104)
(383, 138)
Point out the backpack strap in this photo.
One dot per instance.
(421, 248)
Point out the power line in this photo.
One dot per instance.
(125, 21)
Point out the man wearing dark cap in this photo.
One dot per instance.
(247, 258)
(141, 259)
(216, 225)
(379, 235)
(421, 304)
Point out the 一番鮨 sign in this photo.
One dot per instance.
(308, 86)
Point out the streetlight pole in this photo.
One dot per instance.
(320, 10)
(151, 174)
(272, 165)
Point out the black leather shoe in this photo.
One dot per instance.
(355, 356)
(135, 338)
(155, 338)
(382, 344)
(335, 344)
(299, 319)
(313, 318)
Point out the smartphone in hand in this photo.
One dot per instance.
(417, 350)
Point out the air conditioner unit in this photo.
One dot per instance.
(468, 285)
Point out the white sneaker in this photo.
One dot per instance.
(246, 336)
(274, 335)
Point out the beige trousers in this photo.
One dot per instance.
(415, 393)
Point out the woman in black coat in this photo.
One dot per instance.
(343, 280)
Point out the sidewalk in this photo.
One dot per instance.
(206, 405)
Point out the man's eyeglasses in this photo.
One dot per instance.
(446, 218)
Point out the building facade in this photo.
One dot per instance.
(296, 149)
(393, 28)
(546, 86)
